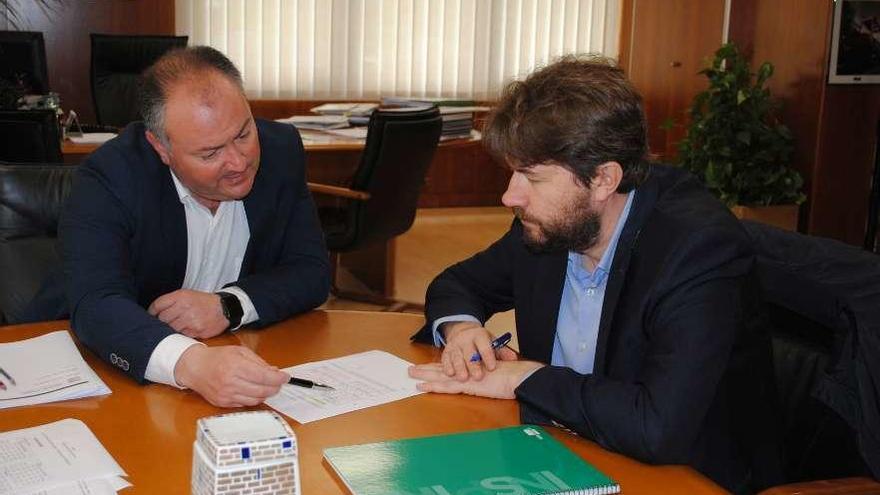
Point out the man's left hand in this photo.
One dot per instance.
(497, 384)
(193, 313)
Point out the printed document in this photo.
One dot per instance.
(60, 457)
(360, 380)
(58, 373)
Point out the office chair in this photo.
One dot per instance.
(380, 202)
(31, 199)
(823, 307)
(117, 64)
(30, 136)
(24, 60)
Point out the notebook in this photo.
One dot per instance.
(523, 459)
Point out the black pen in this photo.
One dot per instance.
(302, 382)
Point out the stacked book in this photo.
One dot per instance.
(458, 115)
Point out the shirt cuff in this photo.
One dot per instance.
(160, 368)
(438, 337)
(249, 312)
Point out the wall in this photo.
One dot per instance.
(834, 126)
(66, 25)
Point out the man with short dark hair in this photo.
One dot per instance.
(631, 286)
(195, 222)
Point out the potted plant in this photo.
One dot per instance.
(737, 146)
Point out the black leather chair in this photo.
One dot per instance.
(823, 308)
(117, 64)
(31, 199)
(30, 136)
(24, 60)
(380, 201)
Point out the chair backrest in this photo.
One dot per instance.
(31, 200)
(30, 136)
(823, 305)
(117, 64)
(399, 148)
(24, 58)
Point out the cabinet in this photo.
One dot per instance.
(664, 44)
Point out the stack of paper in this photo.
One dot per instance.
(93, 137)
(317, 122)
(359, 381)
(60, 373)
(348, 109)
(58, 458)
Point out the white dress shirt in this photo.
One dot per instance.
(216, 244)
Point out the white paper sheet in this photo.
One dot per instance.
(44, 369)
(93, 137)
(360, 380)
(53, 456)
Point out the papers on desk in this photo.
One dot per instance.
(360, 380)
(349, 109)
(93, 137)
(43, 369)
(317, 122)
(58, 458)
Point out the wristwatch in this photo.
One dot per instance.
(231, 308)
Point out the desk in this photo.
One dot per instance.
(150, 429)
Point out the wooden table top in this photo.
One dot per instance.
(150, 430)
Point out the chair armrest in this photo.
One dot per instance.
(839, 486)
(342, 192)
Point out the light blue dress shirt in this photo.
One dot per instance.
(577, 326)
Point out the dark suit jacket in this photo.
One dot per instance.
(679, 361)
(124, 243)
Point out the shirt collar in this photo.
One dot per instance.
(182, 191)
(575, 259)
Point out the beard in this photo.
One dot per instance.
(575, 229)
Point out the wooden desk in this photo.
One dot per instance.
(149, 430)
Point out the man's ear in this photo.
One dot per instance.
(160, 148)
(607, 178)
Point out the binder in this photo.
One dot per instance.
(522, 459)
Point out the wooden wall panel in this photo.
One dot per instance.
(66, 28)
(845, 157)
(833, 125)
(664, 44)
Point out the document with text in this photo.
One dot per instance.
(359, 381)
(43, 369)
(60, 457)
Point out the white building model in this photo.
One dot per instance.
(243, 453)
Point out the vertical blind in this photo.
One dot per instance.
(365, 49)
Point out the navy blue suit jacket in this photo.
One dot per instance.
(681, 364)
(124, 243)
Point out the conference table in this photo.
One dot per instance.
(150, 429)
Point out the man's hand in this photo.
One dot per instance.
(498, 384)
(228, 376)
(193, 313)
(463, 339)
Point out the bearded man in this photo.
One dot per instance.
(631, 284)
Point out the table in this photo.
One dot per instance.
(149, 430)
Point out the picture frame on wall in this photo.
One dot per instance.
(855, 43)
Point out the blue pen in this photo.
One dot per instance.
(501, 341)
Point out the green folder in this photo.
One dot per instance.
(521, 460)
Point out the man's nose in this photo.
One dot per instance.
(514, 196)
(236, 159)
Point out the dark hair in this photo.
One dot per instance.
(176, 65)
(579, 112)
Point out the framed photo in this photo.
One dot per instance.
(855, 43)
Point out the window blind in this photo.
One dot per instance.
(365, 49)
